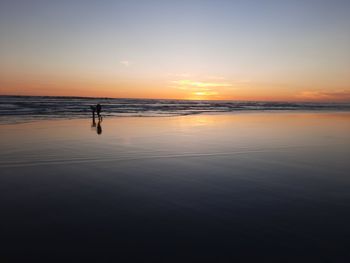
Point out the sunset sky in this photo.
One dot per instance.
(232, 50)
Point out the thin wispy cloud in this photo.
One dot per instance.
(216, 77)
(205, 93)
(338, 95)
(198, 84)
(125, 63)
(199, 89)
(179, 75)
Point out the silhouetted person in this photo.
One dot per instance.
(93, 110)
(98, 110)
(99, 127)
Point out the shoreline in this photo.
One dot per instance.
(19, 119)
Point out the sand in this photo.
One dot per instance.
(222, 187)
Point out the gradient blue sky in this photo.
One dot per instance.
(260, 50)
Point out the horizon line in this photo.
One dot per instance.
(89, 97)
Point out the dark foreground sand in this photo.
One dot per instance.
(252, 187)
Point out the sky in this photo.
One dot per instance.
(297, 50)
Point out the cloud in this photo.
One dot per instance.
(188, 84)
(216, 77)
(338, 95)
(125, 63)
(179, 75)
(199, 89)
(205, 93)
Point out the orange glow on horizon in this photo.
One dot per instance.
(180, 89)
(160, 94)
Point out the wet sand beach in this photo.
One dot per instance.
(263, 186)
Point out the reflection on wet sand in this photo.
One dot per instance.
(260, 187)
(99, 126)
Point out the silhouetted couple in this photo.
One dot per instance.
(96, 109)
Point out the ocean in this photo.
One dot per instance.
(24, 108)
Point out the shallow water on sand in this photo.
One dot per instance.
(250, 186)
